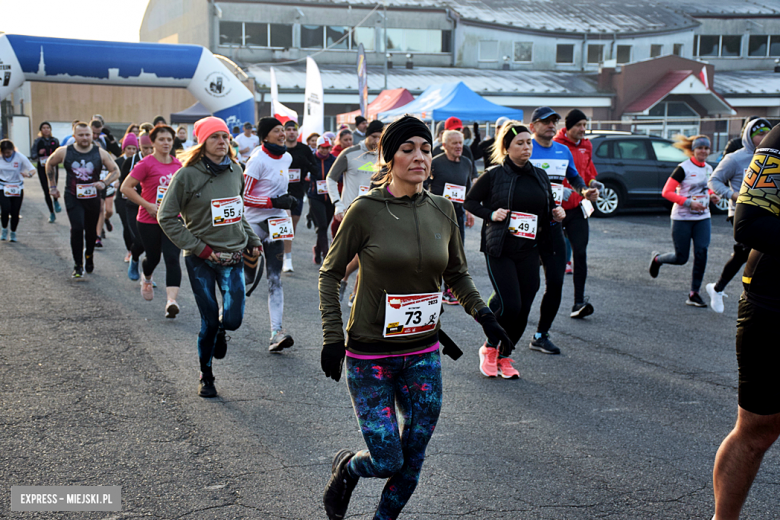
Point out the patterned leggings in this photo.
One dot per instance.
(396, 440)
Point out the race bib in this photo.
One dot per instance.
(454, 192)
(223, 211)
(410, 314)
(294, 175)
(42, 160)
(86, 191)
(587, 208)
(522, 225)
(322, 187)
(553, 167)
(161, 193)
(363, 189)
(557, 190)
(280, 228)
(12, 190)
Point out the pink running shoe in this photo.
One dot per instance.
(506, 369)
(147, 288)
(569, 268)
(488, 357)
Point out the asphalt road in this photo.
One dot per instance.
(99, 389)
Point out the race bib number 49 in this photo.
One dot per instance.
(410, 314)
(224, 211)
(280, 228)
(454, 192)
(86, 191)
(522, 225)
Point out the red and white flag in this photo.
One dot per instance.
(703, 78)
(279, 111)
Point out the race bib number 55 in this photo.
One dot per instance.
(226, 211)
(410, 314)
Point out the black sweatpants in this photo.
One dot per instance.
(157, 244)
(554, 263)
(45, 187)
(131, 214)
(515, 284)
(120, 204)
(83, 215)
(322, 213)
(9, 209)
(575, 225)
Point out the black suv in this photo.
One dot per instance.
(634, 169)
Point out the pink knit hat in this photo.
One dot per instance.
(146, 140)
(209, 125)
(129, 140)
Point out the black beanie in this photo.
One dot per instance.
(374, 127)
(265, 125)
(574, 117)
(400, 131)
(359, 119)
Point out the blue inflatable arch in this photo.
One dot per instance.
(32, 58)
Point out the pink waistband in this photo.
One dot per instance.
(432, 348)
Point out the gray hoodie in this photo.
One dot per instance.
(727, 177)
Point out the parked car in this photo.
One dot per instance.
(634, 169)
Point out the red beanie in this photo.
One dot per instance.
(145, 140)
(209, 125)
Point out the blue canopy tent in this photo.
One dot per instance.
(439, 102)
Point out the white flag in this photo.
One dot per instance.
(279, 111)
(314, 107)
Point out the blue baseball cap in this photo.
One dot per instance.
(542, 113)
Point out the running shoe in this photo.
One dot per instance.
(147, 291)
(109, 227)
(716, 298)
(103, 233)
(315, 255)
(544, 345)
(287, 265)
(132, 270)
(580, 310)
(57, 207)
(506, 370)
(340, 486)
(171, 309)
(343, 289)
(89, 264)
(52, 218)
(13, 236)
(98, 243)
(569, 268)
(220, 345)
(128, 257)
(4, 234)
(280, 341)
(488, 360)
(78, 272)
(449, 298)
(351, 299)
(206, 387)
(695, 300)
(654, 265)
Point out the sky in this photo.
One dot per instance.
(113, 20)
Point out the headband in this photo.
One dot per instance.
(400, 131)
(512, 132)
(701, 142)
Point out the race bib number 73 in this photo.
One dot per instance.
(410, 314)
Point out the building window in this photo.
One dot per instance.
(231, 33)
(488, 51)
(415, 40)
(713, 46)
(524, 52)
(564, 53)
(256, 34)
(623, 53)
(366, 36)
(656, 50)
(335, 33)
(731, 46)
(678, 49)
(312, 36)
(281, 35)
(762, 46)
(595, 53)
(446, 41)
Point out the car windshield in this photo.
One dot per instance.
(667, 152)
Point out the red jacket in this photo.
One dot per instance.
(583, 161)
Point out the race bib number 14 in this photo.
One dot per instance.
(410, 314)
(454, 192)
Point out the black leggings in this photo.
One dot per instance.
(554, 263)
(515, 284)
(738, 258)
(127, 235)
(322, 213)
(156, 244)
(9, 209)
(131, 213)
(577, 231)
(45, 187)
(83, 215)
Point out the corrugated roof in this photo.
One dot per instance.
(735, 8)
(492, 82)
(747, 82)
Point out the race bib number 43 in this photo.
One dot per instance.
(12, 190)
(86, 191)
(454, 192)
(280, 228)
(522, 225)
(410, 314)
(225, 211)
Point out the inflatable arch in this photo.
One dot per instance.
(195, 68)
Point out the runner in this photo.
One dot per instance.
(182, 136)
(212, 237)
(129, 149)
(513, 237)
(361, 124)
(451, 176)
(131, 208)
(393, 372)
(302, 166)
(265, 199)
(247, 142)
(83, 163)
(43, 146)
(154, 174)
(453, 123)
(319, 202)
(132, 129)
(70, 139)
(343, 142)
(13, 168)
(486, 146)
(311, 141)
(555, 159)
(575, 225)
(106, 195)
(354, 167)
(756, 224)
(687, 188)
(726, 181)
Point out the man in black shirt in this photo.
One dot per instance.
(486, 146)
(300, 168)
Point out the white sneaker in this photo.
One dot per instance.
(716, 298)
(287, 265)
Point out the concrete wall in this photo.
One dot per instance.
(176, 21)
(744, 27)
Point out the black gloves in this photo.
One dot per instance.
(286, 201)
(476, 130)
(495, 334)
(332, 359)
(450, 348)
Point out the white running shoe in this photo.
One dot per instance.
(716, 298)
(287, 265)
